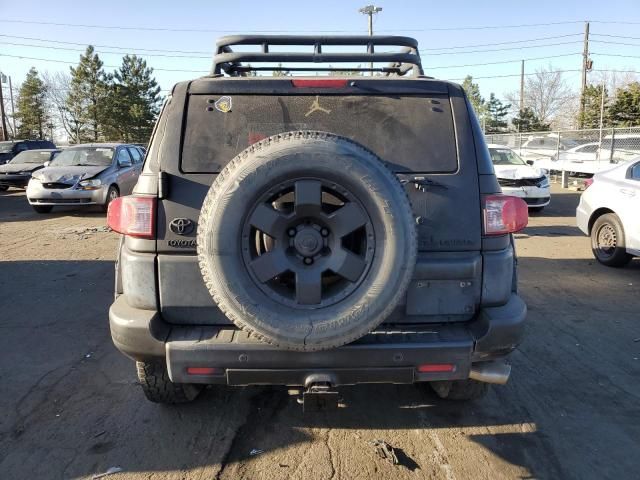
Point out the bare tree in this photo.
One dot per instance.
(547, 94)
(57, 91)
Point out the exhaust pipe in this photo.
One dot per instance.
(490, 372)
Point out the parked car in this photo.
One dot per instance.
(11, 148)
(316, 232)
(17, 172)
(91, 174)
(609, 213)
(520, 179)
(626, 146)
(538, 148)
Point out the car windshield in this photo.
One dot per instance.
(6, 147)
(505, 156)
(84, 156)
(31, 156)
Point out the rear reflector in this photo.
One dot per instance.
(504, 214)
(436, 367)
(203, 370)
(313, 83)
(133, 216)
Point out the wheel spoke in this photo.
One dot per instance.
(308, 286)
(268, 220)
(270, 265)
(347, 219)
(346, 264)
(308, 197)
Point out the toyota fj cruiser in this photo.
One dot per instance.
(317, 231)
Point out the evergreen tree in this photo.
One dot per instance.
(473, 94)
(133, 102)
(625, 110)
(88, 96)
(592, 102)
(527, 121)
(280, 72)
(496, 115)
(31, 106)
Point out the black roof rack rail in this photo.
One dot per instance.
(236, 63)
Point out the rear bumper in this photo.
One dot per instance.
(389, 355)
(14, 180)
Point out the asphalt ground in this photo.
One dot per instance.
(70, 406)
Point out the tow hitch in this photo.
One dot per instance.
(318, 397)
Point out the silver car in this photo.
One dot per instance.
(91, 174)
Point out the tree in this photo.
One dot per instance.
(58, 86)
(526, 121)
(88, 96)
(547, 94)
(31, 105)
(496, 115)
(473, 93)
(590, 118)
(133, 102)
(279, 72)
(625, 110)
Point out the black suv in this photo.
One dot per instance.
(317, 231)
(11, 148)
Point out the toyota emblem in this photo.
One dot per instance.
(181, 226)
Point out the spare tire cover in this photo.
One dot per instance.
(306, 240)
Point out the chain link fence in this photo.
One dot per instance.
(576, 151)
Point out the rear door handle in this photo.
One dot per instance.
(628, 192)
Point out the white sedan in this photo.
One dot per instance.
(609, 212)
(519, 178)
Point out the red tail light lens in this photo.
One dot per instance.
(322, 83)
(436, 368)
(587, 183)
(504, 214)
(133, 216)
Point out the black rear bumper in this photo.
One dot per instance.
(14, 180)
(388, 355)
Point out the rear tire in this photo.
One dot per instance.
(608, 242)
(460, 390)
(42, 208)
(158, 388)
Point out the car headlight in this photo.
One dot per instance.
(544, 183)
(92, 184)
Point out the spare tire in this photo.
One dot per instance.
(306, 240)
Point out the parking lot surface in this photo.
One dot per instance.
(70, 406)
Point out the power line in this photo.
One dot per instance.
(615, 36)
(427, 52)
(506, 43)
(196, 30)
(614, 55)
(503, 61)
(616, 43)
(107, 66)
(105, 46)
(103, 51)
(535, 73)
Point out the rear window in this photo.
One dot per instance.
(411, 134)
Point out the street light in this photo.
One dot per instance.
(370, 10)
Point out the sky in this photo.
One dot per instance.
(493, 36)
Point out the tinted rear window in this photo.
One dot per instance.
(409, 133)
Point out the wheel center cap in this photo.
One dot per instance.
(308, 242)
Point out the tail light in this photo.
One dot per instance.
(133, 216)
(587, 183)
(319, 83)
(504, 214)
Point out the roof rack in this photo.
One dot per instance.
(236, 63)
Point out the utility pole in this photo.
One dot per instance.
(4, 123)
(13, 109)
(587, 63)
(601, 121)
(370, 10)
(522, 86)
